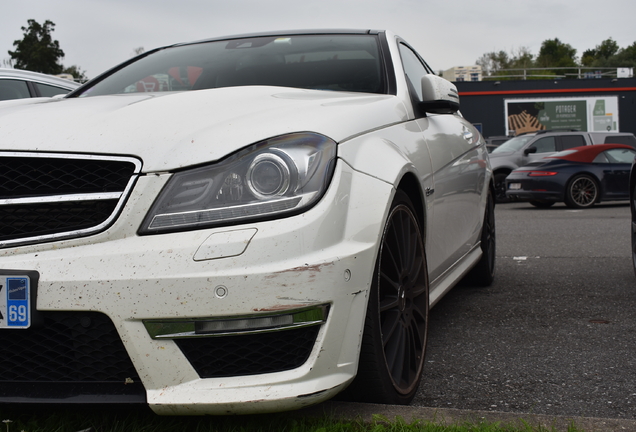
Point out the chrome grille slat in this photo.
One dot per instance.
(61, 198)
(51, 196)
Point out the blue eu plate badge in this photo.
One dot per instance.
(15, 305)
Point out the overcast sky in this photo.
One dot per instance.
(98, 34)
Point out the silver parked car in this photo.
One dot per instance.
(20, 84)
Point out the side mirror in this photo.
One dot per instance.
(439, 96)
(529, 150)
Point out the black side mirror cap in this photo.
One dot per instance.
(439, 106)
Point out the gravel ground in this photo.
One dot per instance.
(555, 334)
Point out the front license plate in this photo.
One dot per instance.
(15, 301)
(514, 186)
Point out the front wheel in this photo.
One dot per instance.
(500, 188)
(582, 192)
(483, 274)
(396, 325)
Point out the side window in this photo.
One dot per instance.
(13, 89)
(50, 91)
(569, 141)
(601, 158)
(621, 139)
(414, 69)
(545, 145)
(619, 156)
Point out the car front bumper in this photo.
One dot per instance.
(324, 256)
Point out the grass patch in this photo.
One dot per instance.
(142, 420)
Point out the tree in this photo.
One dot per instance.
(607, 48)
(499, 63)
(554, 53)
(37, 51)
(493, 62)
(626, 57)
(600, 55)
(553, 56)
(608, 54)
(523, 58)
(78, 74)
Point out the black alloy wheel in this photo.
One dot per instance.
(582, 192)
(500, 188)
(396, 326)
(483, 274)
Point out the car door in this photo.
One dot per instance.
(459, 170)
(616, 165)
(548, 145)
(544, 146)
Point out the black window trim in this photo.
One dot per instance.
(419, 113)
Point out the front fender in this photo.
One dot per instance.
(384, 155)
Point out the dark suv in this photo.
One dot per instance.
(522, 149)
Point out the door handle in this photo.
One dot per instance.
(467, 134)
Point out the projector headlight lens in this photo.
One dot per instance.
(274, 178)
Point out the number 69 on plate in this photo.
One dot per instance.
(14, 302)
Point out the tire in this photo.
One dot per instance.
(483, 274)
(542, 204)
(500, 188)
(396, 325)
(582, 192)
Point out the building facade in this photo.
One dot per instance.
(514, 107)
(463, 73)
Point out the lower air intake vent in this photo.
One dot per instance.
(67, 357)
(251, 354)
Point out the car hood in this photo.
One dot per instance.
(172, 130)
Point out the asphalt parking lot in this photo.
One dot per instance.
(555, 334)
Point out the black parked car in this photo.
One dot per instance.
(580, 177)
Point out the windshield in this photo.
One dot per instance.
(326, 62)
(513, 144)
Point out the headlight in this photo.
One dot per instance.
(277, 177)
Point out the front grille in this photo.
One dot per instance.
(251, 354)
(54, 175)
(46, 196)
(65, 353)
(26, 220)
